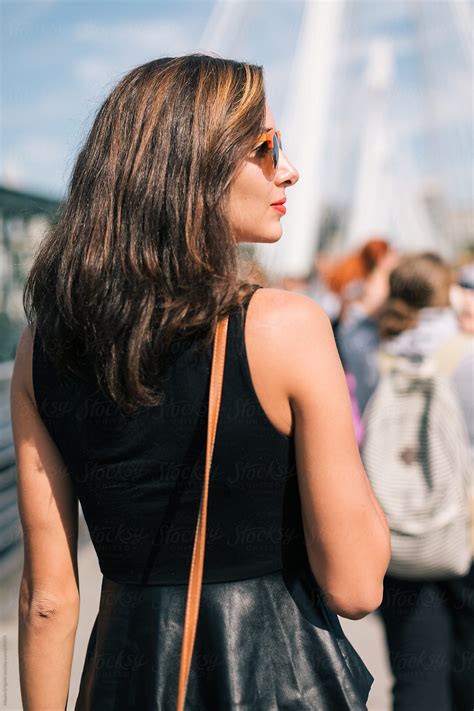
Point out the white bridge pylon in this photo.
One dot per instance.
(304, 132)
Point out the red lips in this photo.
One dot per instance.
(279, 202)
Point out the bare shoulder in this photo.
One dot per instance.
(279, 310)
(22, 377)
(289, 332)
(288, 322)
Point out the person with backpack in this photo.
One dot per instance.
(415, 366)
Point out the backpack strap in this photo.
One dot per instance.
(445, 359)
(451, 352)
(387, 362)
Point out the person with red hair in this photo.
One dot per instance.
(348, 274)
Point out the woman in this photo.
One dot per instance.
(429, 624)
(109, 407)
(347, 275)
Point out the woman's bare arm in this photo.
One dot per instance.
(49, 590)
(346, 532)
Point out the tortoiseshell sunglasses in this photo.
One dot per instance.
(270, 141)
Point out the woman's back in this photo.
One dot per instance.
(139, 478)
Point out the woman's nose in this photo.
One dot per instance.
(286, 172)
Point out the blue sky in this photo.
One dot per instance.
(62, 57)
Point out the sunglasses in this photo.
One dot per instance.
(270, 143)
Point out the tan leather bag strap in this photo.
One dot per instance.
(197, 563)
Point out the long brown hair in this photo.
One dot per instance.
(142, 252)
(418, 281)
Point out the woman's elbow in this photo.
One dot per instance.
(355, 607)
(37, 607)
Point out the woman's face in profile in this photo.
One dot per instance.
(255, 188)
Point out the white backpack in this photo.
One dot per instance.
(416, 454)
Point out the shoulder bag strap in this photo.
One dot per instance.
(197, 563)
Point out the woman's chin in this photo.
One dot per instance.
(274, 238)
(270, 237)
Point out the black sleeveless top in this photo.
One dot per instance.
(139, 478)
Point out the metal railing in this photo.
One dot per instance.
(11, 537)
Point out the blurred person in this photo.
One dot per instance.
(347, 276)
(364, 271)
(465, 276)
(462, 297)
(109, 402)
(357, 332)
(429, 624)
(463, 303)
(320, 292)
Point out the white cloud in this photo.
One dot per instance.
(116, 47)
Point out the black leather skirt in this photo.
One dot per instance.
(262, 644)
